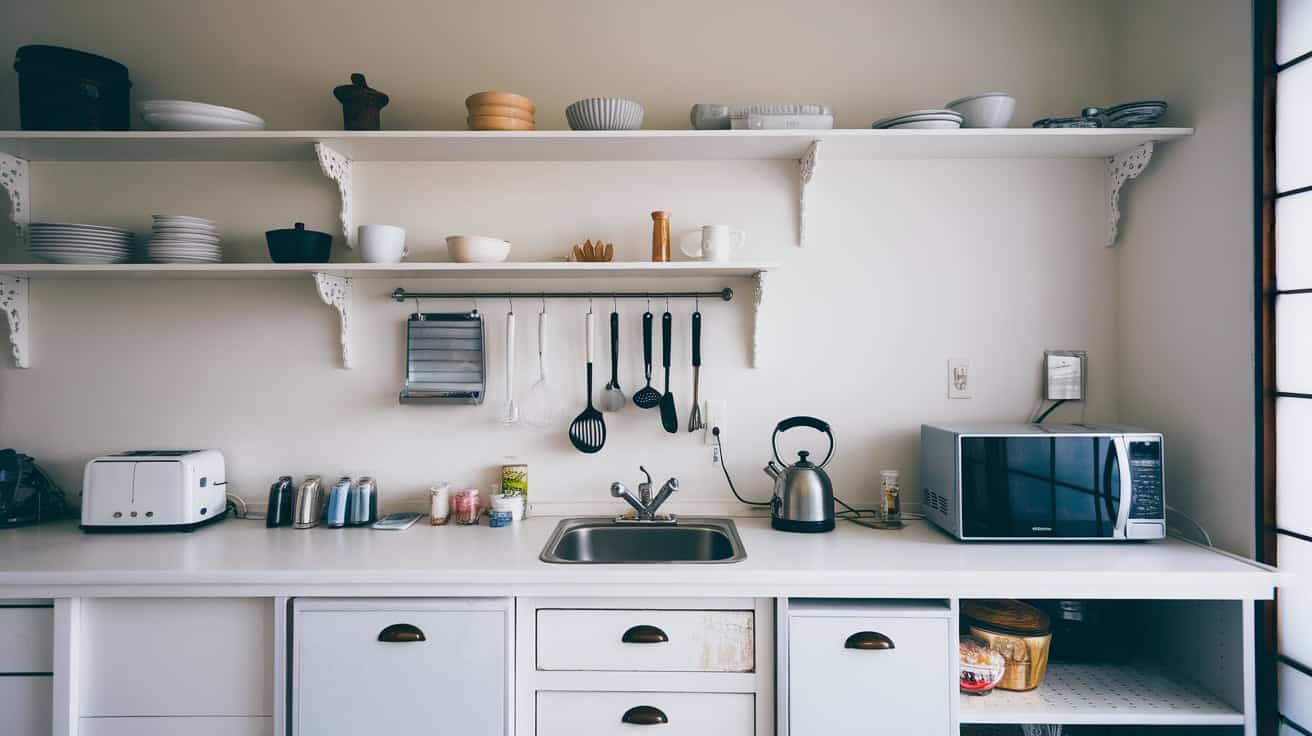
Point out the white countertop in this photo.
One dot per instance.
(242, 558)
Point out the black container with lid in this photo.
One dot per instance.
(67, 89)
(279, 512)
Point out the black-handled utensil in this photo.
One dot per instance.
(695, 422)
(588, 431)
(612, 399)
(647, 397)
(669, 415)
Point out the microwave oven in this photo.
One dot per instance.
(1035, 481)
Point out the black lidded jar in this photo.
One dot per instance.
(66, 89)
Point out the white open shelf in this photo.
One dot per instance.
(1103, 694)
(547, 270)
(568, 145)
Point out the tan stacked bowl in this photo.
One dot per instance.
(500, 111)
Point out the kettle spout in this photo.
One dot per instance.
(773, 470)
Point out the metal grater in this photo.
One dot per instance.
(444, 359)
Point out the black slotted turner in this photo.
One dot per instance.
(588, 431)
(647, 397)
(669, 415)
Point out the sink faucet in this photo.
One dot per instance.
(643, 503)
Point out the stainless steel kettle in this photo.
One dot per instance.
(803, 495)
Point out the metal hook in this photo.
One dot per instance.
(510, 302)
(697, 303)
(614, 302)
(589, 305)
(667, 302)
(544, 302)
(649, 301)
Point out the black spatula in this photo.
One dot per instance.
(669, 415)
(647, 397)
(588, 431)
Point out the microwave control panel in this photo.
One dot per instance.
(1146, 497)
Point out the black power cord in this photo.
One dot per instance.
(1049, 410)
(720, 446)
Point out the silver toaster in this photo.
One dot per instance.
(153, 489)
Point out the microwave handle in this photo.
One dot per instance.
(1127, 486)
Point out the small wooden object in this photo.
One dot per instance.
(589, 252)
(660, 237)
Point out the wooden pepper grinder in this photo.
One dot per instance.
(660, 237)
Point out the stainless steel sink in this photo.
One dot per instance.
(602, 540)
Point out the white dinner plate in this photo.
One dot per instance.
(188, 219)
(189, 107)
(189, 121)
(70, 226)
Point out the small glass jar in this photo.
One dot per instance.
(890, 495)
(439, 512)
(466, 506)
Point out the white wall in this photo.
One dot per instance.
(911, 262)
(1185, 271)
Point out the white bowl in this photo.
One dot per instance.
(604, 113)
(989, 110)
(477, 249)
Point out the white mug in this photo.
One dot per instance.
(382, 243)
(716, 243)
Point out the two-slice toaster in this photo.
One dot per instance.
(153, 489)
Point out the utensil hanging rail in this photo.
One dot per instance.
(400, 295)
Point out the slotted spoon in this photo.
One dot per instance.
(647, 397)
(588, 431)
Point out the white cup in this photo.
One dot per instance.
(382, 243)
(713, 243)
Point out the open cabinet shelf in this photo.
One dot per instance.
(523, 270)
(1103, 694)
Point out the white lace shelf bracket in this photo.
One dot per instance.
(335, 291)
(1121, 168)
(805, 172)
(14, 302)
(758, 281)
(337, 167)
(14, 180)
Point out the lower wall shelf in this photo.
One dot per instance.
(1103, 694)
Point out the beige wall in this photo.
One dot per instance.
(1185, 271)
(911, 262)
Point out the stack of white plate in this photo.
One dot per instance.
(57, 242)
(186, 115)
(184, 239)
(922, 120)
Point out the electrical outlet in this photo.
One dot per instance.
(715, 455)
(1065, 374)
(959, 380)
(716, 412)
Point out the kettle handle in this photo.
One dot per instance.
(803, 421)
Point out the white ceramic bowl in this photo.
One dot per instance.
(989, 110)
(604, 113)
(477, 249)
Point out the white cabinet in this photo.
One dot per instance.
(873, 669)
(25, 705)
(675, 714)
(177, 657)
(26, 639)
(401, 667)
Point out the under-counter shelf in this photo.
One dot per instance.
(1103, 694)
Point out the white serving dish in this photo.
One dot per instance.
(190, 121)
(988, 110)
(477, 249)
(604, 113)
(200, 108)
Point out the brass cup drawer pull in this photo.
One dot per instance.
(644, 715)
(868, 640)
(644, 634)
(401, 633)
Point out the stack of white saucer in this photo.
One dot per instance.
(184, 239)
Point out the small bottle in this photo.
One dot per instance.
(892, 501)
(660, 237)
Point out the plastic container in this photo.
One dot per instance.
(66, 89)
(511, 503)
(982, 667)
(466, 505)
(496, 519)
(1019, 631)
(439, 512)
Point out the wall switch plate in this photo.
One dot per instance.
(1065, 374)
(715, 412)
(959, 382)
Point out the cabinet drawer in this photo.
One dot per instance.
(646, 641)
(177, 726)
(25, 705)
(684, 714)
(828, 674)
(367, 671)
(26, 636)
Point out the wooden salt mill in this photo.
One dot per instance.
(660, 237)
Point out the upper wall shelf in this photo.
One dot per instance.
(414, 270)
(566, 145)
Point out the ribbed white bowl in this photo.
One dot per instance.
(604, 113)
